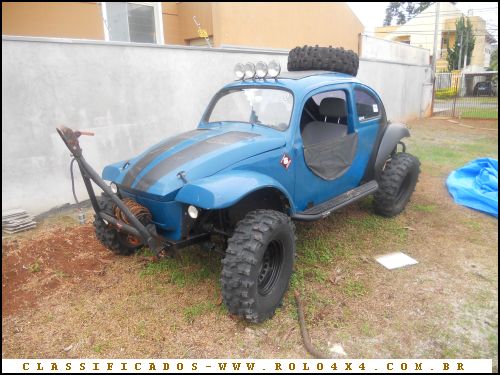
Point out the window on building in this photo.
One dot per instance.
(133, 22)
(444, 42)
(366, 104)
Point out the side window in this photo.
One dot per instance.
(333, 109)
(318, 98)
(366, 105)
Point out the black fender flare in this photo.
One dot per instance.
(392, 136)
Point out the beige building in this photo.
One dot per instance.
(266, 25)
(419, 31)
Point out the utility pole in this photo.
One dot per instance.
(460, 52)
(434, 52)
(469, 14)
(434, 57)
(466, 50)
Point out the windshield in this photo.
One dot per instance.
(262, 106)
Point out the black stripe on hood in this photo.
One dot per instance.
(151, 155)
(189, 153)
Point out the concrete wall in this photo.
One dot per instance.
(383, 49)
(406, 90)
(131, 96)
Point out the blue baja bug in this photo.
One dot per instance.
(269, 149)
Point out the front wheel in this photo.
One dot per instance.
(258, 264)
(396, 184)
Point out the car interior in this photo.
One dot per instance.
(324, 122)
(329, 143)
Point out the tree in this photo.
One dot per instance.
(494, 60)
(494, 64)
(403, 11)
(464, 44)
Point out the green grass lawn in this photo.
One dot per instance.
(480, 99)
(474, 99)
(480, 113)
(447, 155)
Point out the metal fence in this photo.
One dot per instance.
(466, 95)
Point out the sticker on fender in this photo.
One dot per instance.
(286, 161)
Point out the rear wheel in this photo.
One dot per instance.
(120, 243)
(396, 184)
(258, 264)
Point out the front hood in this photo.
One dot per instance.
(194, 154)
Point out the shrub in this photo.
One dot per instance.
(446, 93)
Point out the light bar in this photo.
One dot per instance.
(261, 69)
(249, 70)
(273, 69)
(239, 71)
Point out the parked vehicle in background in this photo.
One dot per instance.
(486, 88)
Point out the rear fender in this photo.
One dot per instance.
(392, 136)
(225, 189)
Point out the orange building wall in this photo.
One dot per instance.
(171, 23)
(285, 25)
(272, 25)
(203, 13)
(52, 19)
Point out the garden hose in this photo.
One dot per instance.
(73, 182)
(81, 214)
(303, 330)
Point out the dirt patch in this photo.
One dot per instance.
(56, 258)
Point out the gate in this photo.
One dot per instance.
(466, 95)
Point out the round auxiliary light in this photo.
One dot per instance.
(273, 69)
(239, 71)
(193, 212)
(260, 69)
(249, 70)
(113, 187)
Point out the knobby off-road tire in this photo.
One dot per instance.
(323, 58)
(115, 241)
(258, 264)
(396, 184)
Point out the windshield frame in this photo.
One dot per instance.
(227, 90)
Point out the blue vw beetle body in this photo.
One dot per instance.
(218, 164)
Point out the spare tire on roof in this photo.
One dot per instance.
(323, 58)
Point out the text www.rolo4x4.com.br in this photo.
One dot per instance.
(246, 366)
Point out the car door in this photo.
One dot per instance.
(341, 156)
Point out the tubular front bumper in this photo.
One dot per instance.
(148, 234)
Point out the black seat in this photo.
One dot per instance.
(321, 131)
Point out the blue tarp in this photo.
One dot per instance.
(475, 185)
